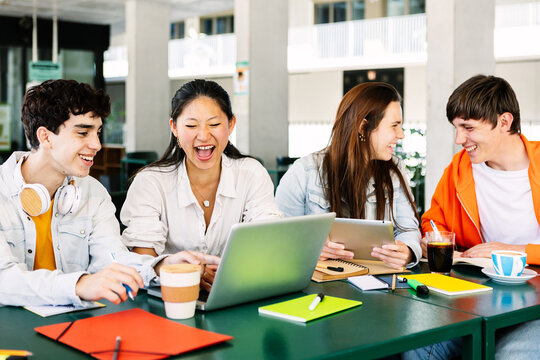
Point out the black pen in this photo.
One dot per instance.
(335, 268)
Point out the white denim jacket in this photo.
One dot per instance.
(82, 243)
(300, 192)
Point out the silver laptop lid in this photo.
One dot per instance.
(360, 236)
(268, 258)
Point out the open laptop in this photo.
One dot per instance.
(266, 258)
(360, 236)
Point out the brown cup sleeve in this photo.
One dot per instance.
(179, 294)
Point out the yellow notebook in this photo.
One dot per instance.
(298, 309)
(448, 285)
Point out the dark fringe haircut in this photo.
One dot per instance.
(484, 98)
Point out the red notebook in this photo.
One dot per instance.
(143, 335)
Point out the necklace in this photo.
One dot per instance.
(206, 203)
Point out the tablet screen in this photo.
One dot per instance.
(360, 236)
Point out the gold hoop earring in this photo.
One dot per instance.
(361, 137)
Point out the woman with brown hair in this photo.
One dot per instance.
(357, 175)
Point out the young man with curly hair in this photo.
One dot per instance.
(57, 224)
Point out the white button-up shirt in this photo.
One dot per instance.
(161, 211)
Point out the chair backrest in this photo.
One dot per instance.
(285, 160)
(132, 162)
(118, 198)
(148, 156)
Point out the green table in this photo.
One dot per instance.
(383, 325)
(506, 305)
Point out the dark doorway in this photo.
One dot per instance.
(391, 76)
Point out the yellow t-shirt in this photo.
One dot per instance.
(44, 258)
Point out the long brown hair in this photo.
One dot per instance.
(347, 168)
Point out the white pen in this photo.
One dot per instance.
(316, 301)
(435, 230)
(128, 289)
(116, 348)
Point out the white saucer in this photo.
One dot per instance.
(527, 274)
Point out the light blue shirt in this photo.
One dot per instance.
(82, 243)
(300, 192)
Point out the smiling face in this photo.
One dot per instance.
(385, 137)
(203, 132)
(478, 138)
(72, 150)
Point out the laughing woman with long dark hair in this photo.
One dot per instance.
(201, 186)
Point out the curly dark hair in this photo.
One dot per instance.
(51, 103)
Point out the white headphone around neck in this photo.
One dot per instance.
(35, 198)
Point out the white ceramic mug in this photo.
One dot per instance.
(180, 289)
(508, 263)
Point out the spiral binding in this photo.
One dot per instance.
(350, 263)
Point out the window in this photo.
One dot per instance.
(394, 76)
(395, 7)
(218, 25)
(340, 11)
(207, 26)
(404, 7)
(417, 6)
(322, 13)
(358, 9)
(113, 132)
(331, 12)
(225, 25)
(178, 30)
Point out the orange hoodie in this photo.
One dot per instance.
(454, 207)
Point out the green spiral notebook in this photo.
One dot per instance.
(298, 309)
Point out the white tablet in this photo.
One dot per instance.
(360, 236)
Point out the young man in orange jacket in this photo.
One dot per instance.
(489, 195)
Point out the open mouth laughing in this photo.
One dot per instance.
(204, 152)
